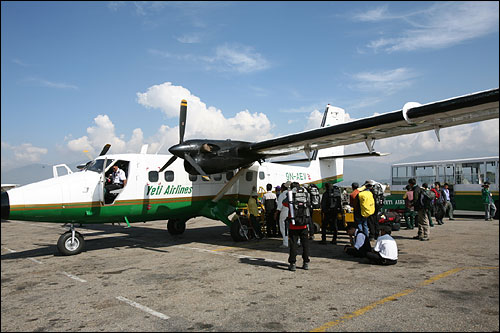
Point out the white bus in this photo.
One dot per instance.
(464, 176)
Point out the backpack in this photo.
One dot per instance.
(300, 206)
(367, 203)
(315, 199)
(335, 197)
(426, 197)
(378, 195)
(270, 205)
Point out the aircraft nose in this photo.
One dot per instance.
(5, 206)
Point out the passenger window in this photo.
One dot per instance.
(153, 176)
(193, 178)
(229, 175)
(249, 176)
(217, 177)
(262, 175)
(169, 176)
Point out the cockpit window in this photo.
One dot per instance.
(96, 165)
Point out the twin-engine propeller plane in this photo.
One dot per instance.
(217, 174)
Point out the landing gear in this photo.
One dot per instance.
(176, 226)
(239, 230)
(71, 242)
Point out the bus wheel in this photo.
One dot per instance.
(239, 230)
(176, 226)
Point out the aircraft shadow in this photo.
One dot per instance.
(158, 239)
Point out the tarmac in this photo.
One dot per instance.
(143, 279)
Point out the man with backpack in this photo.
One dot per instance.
(330, 206)
(298, 205)
(378, 198)
(421, 201)
(438, 203)
(367, 206)
(360, 221)
(270, 206)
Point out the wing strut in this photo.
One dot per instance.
(228, 185)
(370, 143)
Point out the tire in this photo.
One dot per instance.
(176, 226)
(66, 247)
(239, 230)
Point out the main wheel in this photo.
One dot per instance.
(176, 226)
(239, 230)
(68, 247)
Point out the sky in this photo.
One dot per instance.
(78, 75)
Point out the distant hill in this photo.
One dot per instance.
(32, 173)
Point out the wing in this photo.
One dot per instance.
(411, 119)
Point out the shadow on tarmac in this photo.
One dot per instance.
(158, 238)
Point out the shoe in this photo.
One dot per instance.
(283, 246)
(292, 267)
(417, 237)
(424, 239)
(323, 242)
(432, 226)
(452, 219)
(306, 266)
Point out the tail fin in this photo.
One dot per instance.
(330, 170)
(333, 116)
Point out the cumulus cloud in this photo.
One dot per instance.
(205, 121)
(202, 122)
(441, 25)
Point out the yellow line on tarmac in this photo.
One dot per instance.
(367, 308)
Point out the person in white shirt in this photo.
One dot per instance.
(282, 212)
(385, 251)
(116, 180)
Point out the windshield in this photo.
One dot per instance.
(96, 165)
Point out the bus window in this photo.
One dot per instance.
(400, 175)
(469, 173)
(425, 174)
(491, 171)
(193, 178)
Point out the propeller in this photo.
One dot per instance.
(103, 152)
(181, 149)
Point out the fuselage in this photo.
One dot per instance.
(151, 195)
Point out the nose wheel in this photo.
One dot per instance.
(71, 242)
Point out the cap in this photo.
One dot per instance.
(288, 184)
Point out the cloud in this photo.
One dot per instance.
(24, 153)
(51, 84)
(239, 58)
(384, 81)
(191, 38)
(441, 25)
(202, 122)
(226, 58)
(205, 121)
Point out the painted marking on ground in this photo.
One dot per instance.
(369, 307)
(74, 277)
(143, 308)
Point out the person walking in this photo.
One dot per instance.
(282, 213)
(448, 205)
(330, 203)
(298, 206)
(489, 206)
(419, 204)
(270, 206)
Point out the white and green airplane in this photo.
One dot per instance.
(216, 175)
